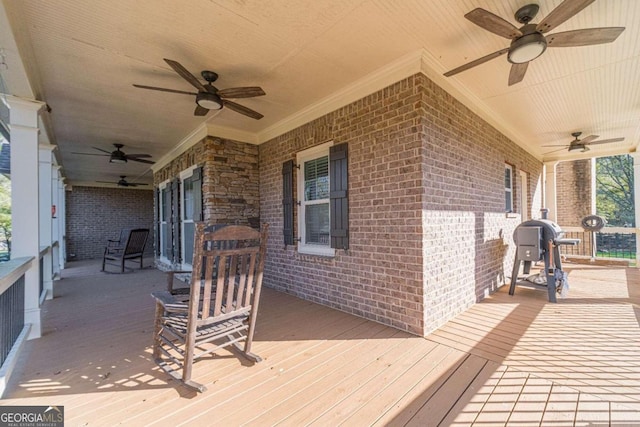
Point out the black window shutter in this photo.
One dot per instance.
(166, 204)
(338, 197)
(287, 201)
(156, 225)
(196, 178)
(175, 219)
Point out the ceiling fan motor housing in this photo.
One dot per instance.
(118, 156)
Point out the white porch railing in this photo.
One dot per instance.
(613, 243)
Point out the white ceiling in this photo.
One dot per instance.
(82, 57)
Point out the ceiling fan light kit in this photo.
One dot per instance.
(210, 101)
(527, 48)
(578, 147)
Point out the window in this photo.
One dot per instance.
(524, 194)
(187, 211)
(179, 205)
(164, 213)
(314, 219)
(508, 188)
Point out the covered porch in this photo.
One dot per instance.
(507, 360)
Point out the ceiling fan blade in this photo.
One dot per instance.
(200, 111)
(607, 141)
(564, 11)
(558, 145)
(242, 109)
(161, 89)
(178, 68)
(586, 37)
(142, 161)
(91, 154)
(493, 23)
(107, 182)
(241, 92)
(100, 149)
(555, 151)
(131, 156)
(476, 62)
(588, 139)
(517, 73)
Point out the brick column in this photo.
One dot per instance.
(25, 213)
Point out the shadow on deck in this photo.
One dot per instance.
(506, 361)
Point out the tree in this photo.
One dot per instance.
(5, 212)
(614, 190)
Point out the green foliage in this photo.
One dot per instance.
(614, 190)
(5, 211)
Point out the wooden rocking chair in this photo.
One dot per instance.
(132, 249)
(221, 306)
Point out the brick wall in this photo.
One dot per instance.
(574, 198)
(428, 232)
(96, 214)
(467, 237)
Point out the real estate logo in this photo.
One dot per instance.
(31, 416)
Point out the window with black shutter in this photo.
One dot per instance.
(166, 240)
(156, 223)
(175, 219)
(323, 223)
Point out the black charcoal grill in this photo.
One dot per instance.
(536, 240)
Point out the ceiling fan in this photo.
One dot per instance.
(209, 97)
(122, 182)
(583, 144)
(118, 156)
(529, 42)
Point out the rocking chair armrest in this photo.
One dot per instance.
(170, 276)
(169, 302)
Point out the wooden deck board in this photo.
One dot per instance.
(510, 360)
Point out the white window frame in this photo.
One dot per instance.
(161, 187)
(508, 191)
(524, 195)
(185, 174)
(301, 158)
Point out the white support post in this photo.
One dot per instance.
(636, 207)
(25, 221)
(46, 200)
(62, 222)
(55, 226)
(550, 190)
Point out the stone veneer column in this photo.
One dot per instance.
(25, 221)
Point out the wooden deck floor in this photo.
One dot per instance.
(516, 361)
